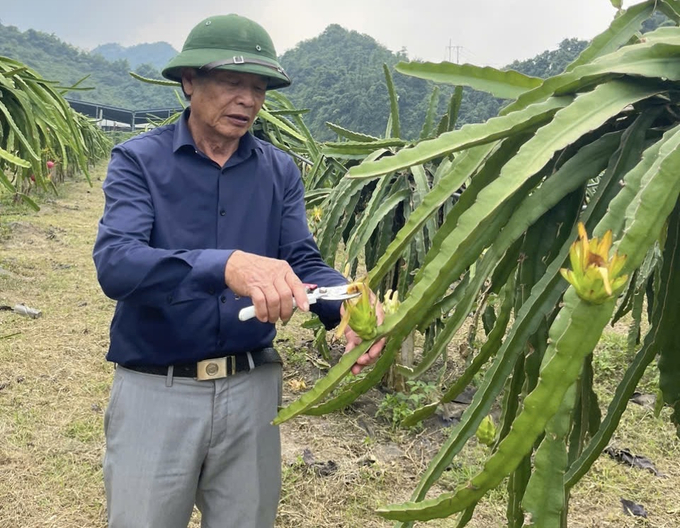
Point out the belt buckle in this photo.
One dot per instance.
(216, 368)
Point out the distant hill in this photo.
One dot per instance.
(156, 54)
(56, 60)
(338, 76)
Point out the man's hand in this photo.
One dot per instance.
(270, 283)
(353, 340)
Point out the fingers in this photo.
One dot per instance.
(370, 357)
(375, 350)
(373, 353)
(281, 301)
(260, 304)
(273, 302)
(299, 292)
(286, 289)
(270, 283)
(379, 312)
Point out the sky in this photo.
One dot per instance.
(480, 32)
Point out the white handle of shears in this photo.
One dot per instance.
(249, 312)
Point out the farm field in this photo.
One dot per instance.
(54, 385)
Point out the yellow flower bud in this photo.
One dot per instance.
(595, 276)
(391, 302)
(359, 313)
(486, 432)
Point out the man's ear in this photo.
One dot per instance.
(188, 79)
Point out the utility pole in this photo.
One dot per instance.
(450, 48)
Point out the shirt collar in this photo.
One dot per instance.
(183, 138)
(182, 134)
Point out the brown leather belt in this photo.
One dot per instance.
(213, 368)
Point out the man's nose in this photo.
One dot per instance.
(246, 96)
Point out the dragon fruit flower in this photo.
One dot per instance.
(594, 275)
(359, 313)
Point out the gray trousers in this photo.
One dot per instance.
(173, 442)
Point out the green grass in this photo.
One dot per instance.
(84, 430)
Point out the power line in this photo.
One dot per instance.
(450, 48)
(467, 55)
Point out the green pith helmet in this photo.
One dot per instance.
(229, 42)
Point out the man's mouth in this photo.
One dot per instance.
(239, 117)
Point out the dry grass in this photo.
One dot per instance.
(54, 384)
(55, 381)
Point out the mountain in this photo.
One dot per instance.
(157, 54)
(111, 82)
(337, 76)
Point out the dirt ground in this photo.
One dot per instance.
(54, 385)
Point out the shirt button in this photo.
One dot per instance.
(223, 298)
(211, 291)
(220, 344)
(222, 212)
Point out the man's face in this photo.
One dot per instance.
(224, 103)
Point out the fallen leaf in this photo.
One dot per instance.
(645, 400)
(308, 457)
(368, 460)
(319, 363)
(630, 508)
(626, 457)
(325, 469)
(466, 396)
(297, 385)
(450, 412)
(322, 469)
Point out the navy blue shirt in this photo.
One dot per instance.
(171, 221)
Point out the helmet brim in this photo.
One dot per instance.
(197, 58)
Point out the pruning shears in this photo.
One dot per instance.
(314, 293)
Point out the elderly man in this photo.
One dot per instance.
(201, 219)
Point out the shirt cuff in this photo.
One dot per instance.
(206, 277)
